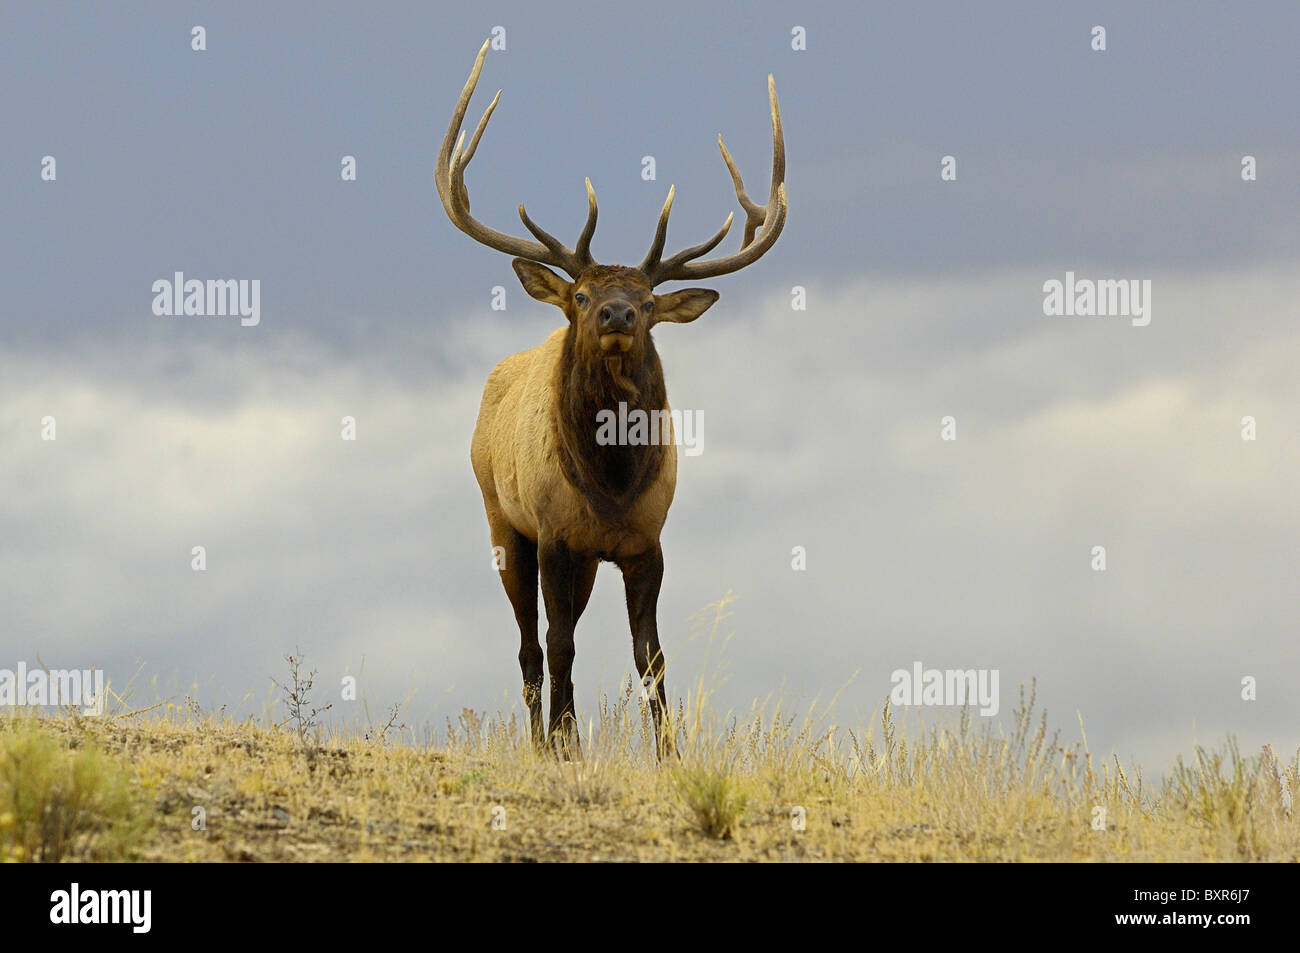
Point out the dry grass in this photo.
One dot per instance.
(959, 794)
(965, 792)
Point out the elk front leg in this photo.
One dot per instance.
(562, 584)
(642, 576)
(518, 568)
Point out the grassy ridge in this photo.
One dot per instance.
(137, 786)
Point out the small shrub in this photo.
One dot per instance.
(297, 698)
(714, 797)
(59, 803)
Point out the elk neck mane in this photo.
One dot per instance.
(610, 477)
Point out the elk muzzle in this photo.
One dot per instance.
(617, 325)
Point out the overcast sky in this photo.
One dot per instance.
(822, 426)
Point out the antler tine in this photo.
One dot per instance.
(651, 260)
(765, 221)
(703, 248)
(581, 256)
(583, 249)
(754, 213)
(449, 175)
(463, 160)
(556, 246)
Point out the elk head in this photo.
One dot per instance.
(611, 309)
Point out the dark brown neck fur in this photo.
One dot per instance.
(610, 477)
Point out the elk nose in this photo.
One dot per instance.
(617, 316)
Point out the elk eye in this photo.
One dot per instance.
(581, 299)
(648, 306)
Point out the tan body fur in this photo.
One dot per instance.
(515, 457)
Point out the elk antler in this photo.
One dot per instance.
(450, 178)
(767, 220)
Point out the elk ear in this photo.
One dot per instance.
(683, 307)
(542, 283)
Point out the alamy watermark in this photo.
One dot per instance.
(639, 428)
(1103, 297)
(951, 687)
(53, 688)
(211, 298)
(131, 908)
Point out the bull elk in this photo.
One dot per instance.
(558, 501)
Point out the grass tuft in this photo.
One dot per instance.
(714, 797)
(64, 800)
